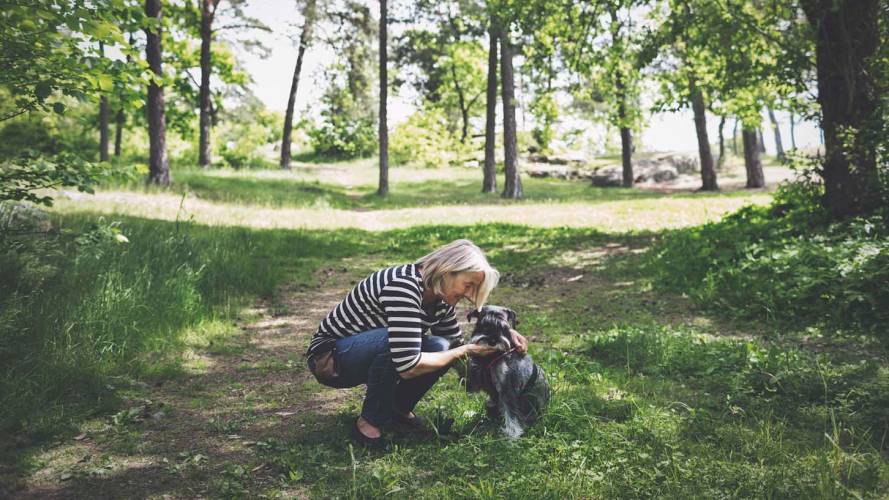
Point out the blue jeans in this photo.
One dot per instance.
(364, 358)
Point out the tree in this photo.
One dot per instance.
(383, 188)
(489, 182)
(103, 118)
(158, 165)
(512, 181)
(752, 160)
(305, 38)
(846, 39)
(208, 14)
(779, 146)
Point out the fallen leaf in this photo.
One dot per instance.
(80, 437)
(574, 278)
(285, 413)
(260, 466)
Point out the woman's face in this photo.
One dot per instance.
(463, 285)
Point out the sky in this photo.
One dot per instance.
(272, 78)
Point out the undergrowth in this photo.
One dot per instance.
(786, 263)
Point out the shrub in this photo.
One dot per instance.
(424, 140)
(346, 130)
(785, 262)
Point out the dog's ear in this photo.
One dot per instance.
(513, 320)
(472, 314)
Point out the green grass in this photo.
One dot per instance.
(283, 190)
(653, 396)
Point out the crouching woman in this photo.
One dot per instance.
(397, 332)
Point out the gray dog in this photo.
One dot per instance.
(517, 388)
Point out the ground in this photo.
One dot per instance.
(642, 405)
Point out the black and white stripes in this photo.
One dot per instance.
(391, 298)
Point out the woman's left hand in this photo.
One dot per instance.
(520, 342)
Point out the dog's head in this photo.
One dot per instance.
(492, 326)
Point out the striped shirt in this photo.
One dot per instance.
(390, 298)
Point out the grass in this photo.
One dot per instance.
(653, 396)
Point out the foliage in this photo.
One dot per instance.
(424, 140)
(783, 263)
(51, 47)
(346, 129)
(26, 177)
(245, 134)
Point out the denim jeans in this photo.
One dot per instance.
(364, 358)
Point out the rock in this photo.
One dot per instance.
(665, 173)
(608, 176)
(24, 217)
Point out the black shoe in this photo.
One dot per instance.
(368, 442)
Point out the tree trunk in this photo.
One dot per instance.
(104, 112)
(779, 146)
(792, 131)
(158, 166)
(118, 133)
(626, 136)
(208, 10)
(305, 39)
(512, 182)
(489, 183)
(721, 161)
(708, 173)
(735, 138)
(752, 161)
(760, 141)
(383, 190)
(846, 40)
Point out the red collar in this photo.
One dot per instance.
(498, 358)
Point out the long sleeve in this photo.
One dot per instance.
(448, 327)
(401, 304)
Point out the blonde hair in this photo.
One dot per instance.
(460, 256)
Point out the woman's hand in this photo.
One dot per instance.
(520, 342)
(476, 350)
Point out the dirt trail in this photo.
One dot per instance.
(188, 436)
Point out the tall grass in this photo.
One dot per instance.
(101, 298)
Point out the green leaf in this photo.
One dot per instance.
(43, 90)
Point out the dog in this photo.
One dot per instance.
(517, 389)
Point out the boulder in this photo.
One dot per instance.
(608, 176)
(23, 217)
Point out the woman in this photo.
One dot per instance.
(375, 336)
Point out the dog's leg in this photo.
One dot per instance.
(508, 402)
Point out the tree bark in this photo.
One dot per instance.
(383, 189)
(104, 113)
(735, 138)
(512, 182)
(752, 160)
(779, 146)
(708, 173)
(760, 141)
(792, 131)
(626, 136)
(721, 161)
(208, 11)
(305, 38)
(118, 133)
(846, 40)
(489, 182)
(158, 165)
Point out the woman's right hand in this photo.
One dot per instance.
(478, 350)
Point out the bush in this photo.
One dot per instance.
(424, 140)
(785, 262)
(346, 130)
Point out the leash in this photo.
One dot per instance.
(498, 358)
